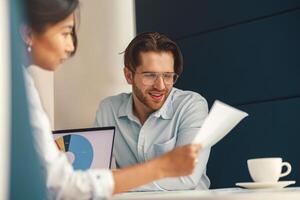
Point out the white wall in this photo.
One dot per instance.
(96, 71)
(4, 100)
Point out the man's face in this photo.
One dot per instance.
(151, 97)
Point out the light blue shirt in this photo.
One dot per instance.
(176, 123)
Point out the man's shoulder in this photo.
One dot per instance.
(116, 100)
(185, 96)
(184, 100)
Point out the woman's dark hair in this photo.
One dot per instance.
(152, 41)
(42, 13)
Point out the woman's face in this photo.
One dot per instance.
(54, 45)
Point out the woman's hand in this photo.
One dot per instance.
(181, 161)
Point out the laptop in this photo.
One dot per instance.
(88, 148)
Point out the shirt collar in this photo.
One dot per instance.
(166, 111)
(126, 107)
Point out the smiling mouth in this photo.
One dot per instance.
(156, 96)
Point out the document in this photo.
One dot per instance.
(221, 119)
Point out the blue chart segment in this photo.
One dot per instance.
(80, 147)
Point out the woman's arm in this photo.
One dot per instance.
(179, 162)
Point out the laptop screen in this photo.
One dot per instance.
(87, 148)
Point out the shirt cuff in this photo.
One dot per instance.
(103, 183)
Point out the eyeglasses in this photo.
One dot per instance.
(149, 78)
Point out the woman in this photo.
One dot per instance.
(50, 37)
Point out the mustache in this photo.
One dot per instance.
(159, 91)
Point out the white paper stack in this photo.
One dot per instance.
(221, 119)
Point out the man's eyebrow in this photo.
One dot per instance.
(155, 72)
(148, 72)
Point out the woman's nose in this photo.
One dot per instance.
(70, 46)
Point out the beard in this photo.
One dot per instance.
(147, 101)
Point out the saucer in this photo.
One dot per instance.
(265, 185)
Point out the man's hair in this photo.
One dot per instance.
(151, 41)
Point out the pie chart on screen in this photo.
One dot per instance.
(79, 147)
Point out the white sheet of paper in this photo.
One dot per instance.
(222, 118)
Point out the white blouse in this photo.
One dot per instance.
(63, 182)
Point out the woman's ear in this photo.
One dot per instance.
(27, 35)
(128, 75)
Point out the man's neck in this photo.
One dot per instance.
(140, 110)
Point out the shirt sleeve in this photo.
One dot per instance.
(103, 114)
(63, 182)
(194, 113)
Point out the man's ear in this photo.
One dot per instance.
(128, 75)
(27, 35)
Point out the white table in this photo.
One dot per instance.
(291, 193)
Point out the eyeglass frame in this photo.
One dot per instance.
(158, 74)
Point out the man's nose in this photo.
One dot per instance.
(159, 83)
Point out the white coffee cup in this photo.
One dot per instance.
(267, 169)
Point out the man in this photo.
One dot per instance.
(156, 117)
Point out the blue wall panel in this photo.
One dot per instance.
(245, 53)
(27, 175)
(179, 18)
(251, 62)
(271, 130)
